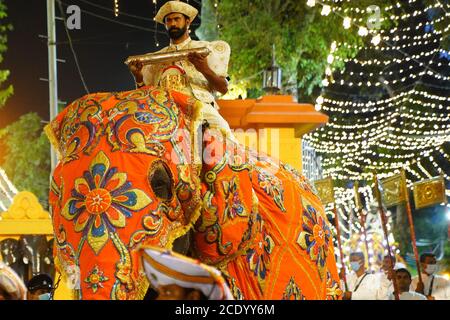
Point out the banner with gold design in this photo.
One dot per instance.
(393, 190)
(325, 190)
(429, 192)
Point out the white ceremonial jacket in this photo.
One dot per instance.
(196, 83)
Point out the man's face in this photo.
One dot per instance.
(428, 261)
(354, 258)
(34, 295)
(175, 292)
(403, 281)
(176, 25)
(4, 295)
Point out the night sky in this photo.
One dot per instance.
(101, 47)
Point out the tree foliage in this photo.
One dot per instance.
(5, 90)
(25, 151)
(25, 155)
(302, 37)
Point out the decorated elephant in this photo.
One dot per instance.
(140, 168)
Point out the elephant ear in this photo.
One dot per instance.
(53, 130)
(224, 226)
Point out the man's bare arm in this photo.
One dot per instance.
(216, 82)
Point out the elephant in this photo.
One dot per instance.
(11, 255)
(33, 249)
(140, 168)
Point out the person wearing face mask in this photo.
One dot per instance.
(362, 285)
(40, 287)
(434, 287)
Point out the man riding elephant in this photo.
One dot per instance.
(200, 76)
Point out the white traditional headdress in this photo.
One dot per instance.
(176, 7)
(164, 267)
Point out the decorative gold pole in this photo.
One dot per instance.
(411, 226)
(386, 235)
(362, 220)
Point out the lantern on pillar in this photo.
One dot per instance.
(272, 76)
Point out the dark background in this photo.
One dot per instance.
(101, 47)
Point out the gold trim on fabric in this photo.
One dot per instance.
(53, 140)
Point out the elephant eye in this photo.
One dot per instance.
(161, 182)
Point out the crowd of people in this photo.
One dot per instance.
(175, 277)
(362, 284)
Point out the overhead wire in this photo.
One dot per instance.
(72, 47)
(112, 10)
(116, 21)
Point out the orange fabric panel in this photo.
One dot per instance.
(280, 246)
(102, 201)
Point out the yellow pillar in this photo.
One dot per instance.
(26, 216)
(279, 143)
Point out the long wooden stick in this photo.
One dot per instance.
(338, 234)
(362, 221)
(363, 226)
(411, 227)
(386, 236)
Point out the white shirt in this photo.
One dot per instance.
(441, 286)
(386, 287)
(364, 287)
(411, 295)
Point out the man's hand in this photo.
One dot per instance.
(199, 61)
(420, 287)
(347, 296)
(390, 274)
(136, 69)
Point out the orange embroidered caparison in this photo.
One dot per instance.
(256, 220)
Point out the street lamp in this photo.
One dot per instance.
(272, 76)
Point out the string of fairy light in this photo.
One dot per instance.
(346, 204)
(426, 135)
(321, 100)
